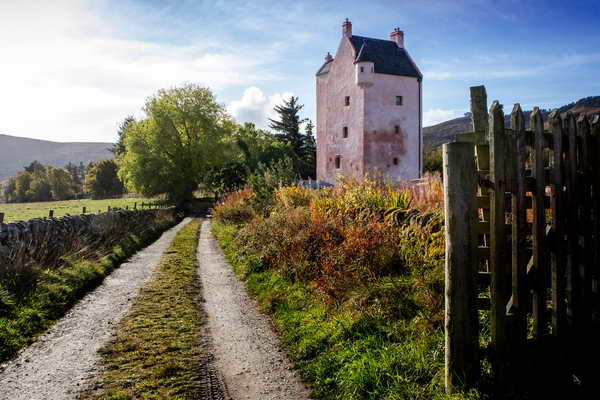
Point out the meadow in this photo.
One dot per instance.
(26, 211)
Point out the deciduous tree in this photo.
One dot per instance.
(184, 136)
(10, 191)
(60, 182)
(22, 184)
(103, 180)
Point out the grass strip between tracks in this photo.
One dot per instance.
(155, 353)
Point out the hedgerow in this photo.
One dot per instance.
(354, 277)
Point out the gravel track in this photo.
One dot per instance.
(63, 361)
(244, 346)
(241, 358)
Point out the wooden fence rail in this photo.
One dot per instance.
(537, 197)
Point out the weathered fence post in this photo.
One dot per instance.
(83, 210)
(460, 193)
(108, 209)
(519, 231)
(558, 258)
(498, 282)
(135, 205)
(51, 213)
(1, 218)
(585, 164)
(126, 207)
(539, 225)
(574, 291)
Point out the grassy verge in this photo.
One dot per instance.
(29, 304)
(364, 347)
(155, 354)
(26, 211)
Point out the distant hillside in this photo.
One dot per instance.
(436, 135)
(17, 152)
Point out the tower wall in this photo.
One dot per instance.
(340, 85)
(382, 116)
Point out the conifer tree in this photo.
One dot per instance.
(309, 161)
(289, 125)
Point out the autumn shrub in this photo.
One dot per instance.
(235, 207)
(354, 276)
(428, 194)
(359, 300)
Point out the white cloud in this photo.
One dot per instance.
(65, 79)
(434, 117)
(256, 107)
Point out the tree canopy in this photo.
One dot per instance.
(102, 179)
(60, 182)
(185, 134)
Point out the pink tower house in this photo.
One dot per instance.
(369, 109)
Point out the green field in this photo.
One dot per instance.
(25, 211)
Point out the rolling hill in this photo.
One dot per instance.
(436, 135)
(17, 152)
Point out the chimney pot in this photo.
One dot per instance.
(328, 57)
(398, 37)
(347, 29)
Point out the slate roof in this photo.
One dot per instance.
(325, 68)
(387, 56)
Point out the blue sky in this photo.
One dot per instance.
(71, 70)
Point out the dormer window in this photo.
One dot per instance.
(398, 100)
(347, 101)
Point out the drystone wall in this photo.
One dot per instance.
(44, 240)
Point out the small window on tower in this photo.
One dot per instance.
(395, 160)
(362, 69)
(371, 69)
(398, 100)
(396, 129)
(337, 162)
(345, 132)
(347, 101)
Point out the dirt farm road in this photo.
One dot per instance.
(243, 348)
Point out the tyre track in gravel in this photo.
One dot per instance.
(64, 360)
(245, 348)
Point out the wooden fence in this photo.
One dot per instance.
(522, 232)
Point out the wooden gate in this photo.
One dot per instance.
(522, 231)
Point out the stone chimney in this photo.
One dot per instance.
(398, 37)
(347, 29)
(328, 57)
